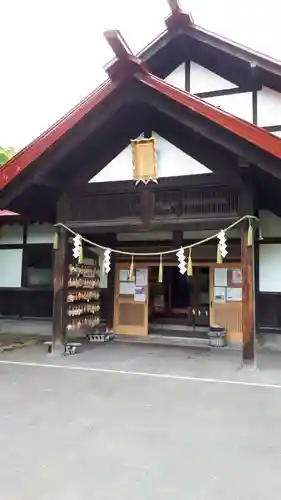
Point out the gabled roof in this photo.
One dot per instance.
(130, 71)
(215, 52)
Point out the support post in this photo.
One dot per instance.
(248, 324)
(60, 277)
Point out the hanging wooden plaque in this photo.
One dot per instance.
(144, 160)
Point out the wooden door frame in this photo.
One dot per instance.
(118, 267)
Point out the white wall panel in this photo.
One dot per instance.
(177, 77)
(240, 105)
(203, 80)
(269, 107)
(10, 267)
(270, 268)
(40, 233)
(278, 133)
(11, 235)
(171, 162)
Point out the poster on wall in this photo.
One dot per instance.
(219, 295)
(124, 275)
(234, 294)
(141, 277)
(127, 288)
(220, 276)
(140, 295)
(236, 276)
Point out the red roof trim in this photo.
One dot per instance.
(20, 161)
(6, 212)
(258, 136)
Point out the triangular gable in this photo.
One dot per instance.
(171, 162)
(204, 80)
(177, 77)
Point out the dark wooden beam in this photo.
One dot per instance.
(135, 224)
(83, 189)
(60, 281)
(248, 326)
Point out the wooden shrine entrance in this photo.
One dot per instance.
(142, 303)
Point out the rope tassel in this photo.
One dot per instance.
(219, 255)
(56, 241)
(250, 235)
(81, 255)
(131, 275)
(189, 264)
(160, 272)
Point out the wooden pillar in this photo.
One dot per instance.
(248, 324)
(60, 281)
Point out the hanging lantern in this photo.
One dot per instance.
(182, 263)
(77, 244)
(222, 244)
(106, 261)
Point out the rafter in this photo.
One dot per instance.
(178, 18)
(118, 44)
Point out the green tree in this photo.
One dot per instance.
(6, 154)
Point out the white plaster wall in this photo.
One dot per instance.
(269, 267)
(40, 233)
(203, 80)
(171, 162)
(278, 133)
(11, 235)
(10, 267)
(177, 77)
(270, 224)
(269, 107)
(239, 105)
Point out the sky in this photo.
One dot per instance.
(52, 52)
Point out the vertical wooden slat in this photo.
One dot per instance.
(60, 280)
(247, 261)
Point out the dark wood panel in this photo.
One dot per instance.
(26, 303)
(180, 203)
(269, 311)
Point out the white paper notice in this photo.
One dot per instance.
(234, 294)
(220, 276)
(124, 275)
(141, 277)
(140, 295)
(219, 294)
(127, 288)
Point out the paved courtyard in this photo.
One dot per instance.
(139, 422)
